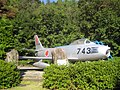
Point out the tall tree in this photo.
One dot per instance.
(99, 20)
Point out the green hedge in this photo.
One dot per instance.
(9, 75)
(97, 75)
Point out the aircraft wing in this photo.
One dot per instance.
(38, 58)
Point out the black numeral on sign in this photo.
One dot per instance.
(84, 50)
(88, 51)
(78, 50)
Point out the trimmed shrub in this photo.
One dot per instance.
(97, 75)
(9, 75)
(56, 77)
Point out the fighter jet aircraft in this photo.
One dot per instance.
(82, 49)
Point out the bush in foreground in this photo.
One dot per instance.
(98, 75)
(9, 75)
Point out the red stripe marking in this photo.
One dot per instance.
(36, 40)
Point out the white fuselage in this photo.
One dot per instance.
(80, 52)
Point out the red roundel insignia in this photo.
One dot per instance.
(46, 53)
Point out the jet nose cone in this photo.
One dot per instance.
(108, 53)
(105, 51)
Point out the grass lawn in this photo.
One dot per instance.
(29, 85)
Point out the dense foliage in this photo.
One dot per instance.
(7, 39)
(9, 75)
(58, 23)
(100, 75)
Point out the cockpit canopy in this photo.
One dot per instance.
(81, 41)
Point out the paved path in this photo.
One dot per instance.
(31, 73)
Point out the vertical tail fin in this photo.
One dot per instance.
(38, 43)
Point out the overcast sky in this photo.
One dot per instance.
(50, 0)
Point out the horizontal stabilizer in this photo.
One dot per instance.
(41, 65)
